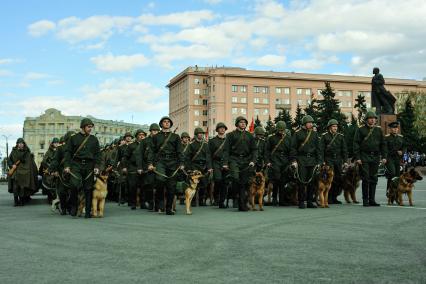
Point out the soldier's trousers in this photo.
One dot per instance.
(63, 194)
(166, 185)
(336, 187)
(220, 182)
(81, 179)
(148, 181)
(134, 182)
(306, 191)
(240, 173)
(369, 178)
(393, 169)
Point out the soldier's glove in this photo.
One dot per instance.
(269, 165)
(96, 171)
(294, 164)
(251, 164)
(225, 167)
(140, 172)
(384, 161)
(151, 168)
(67, 170)
(182, 167)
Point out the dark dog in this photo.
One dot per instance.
(290, 196)
(350, 182)
(401, 185)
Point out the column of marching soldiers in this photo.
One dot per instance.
(149, 170)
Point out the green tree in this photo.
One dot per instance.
(349, 135)
(270, 126)
(407, 119)
(312, 108)
(298, 117)
(362, 107)
(284, 115)
(257, 122)
(329, 108)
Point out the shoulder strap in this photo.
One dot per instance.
(306, 140)
(164, 143)
(332, 140)
(81, 146)
(239, 140)
(198, 152)
(369, 134)
(219, 148)
(278, 144)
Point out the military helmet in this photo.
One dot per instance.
(185, 134)
(332, 122)
(238, 119)
(221, 124)
(376, 70)
(164, 118)
(20, 140)
(280, 126)
(198, 130)
(306, 119)
(128, 134)
(86, 121)
(393, 124)
(55, 140)
(370, 114)
(61, 139)
(139, 131)
(259, 130)
(154, 126)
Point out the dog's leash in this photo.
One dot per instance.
(314, 172)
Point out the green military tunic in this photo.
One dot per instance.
(394, 143)
(260, 145)
(24, 178)
(279, 153)
(333, 150)
(216, 146)
(49, 181)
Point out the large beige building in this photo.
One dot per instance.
(39, 131)
(204, 96)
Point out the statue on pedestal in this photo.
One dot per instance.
(381, 98)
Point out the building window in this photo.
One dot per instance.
(265, 111)
(319, 93)
(265, 90)
(265, 101)
(243, 111)
(256, 111)
(204, 123)
(196, 123)
(256, 100)
(299, 91)
(196, 81)
(286, 91)
(196, 112)
(277, 90)
(365, 94)
(243, 100)
(205, 92)
(205, 112)
(197, 102)
(214, 88)
(287, 101)
(308, 92)
(234, 88)
(234, 110)
(234, 99)
(344, 93)
(205, 102)
(256, 89)
(196, 91)
(301, 102)
(243, 89)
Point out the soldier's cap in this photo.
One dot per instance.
(280, 125)
(20, 140)
(393, 124)
(185, 134)
(259, 130)
(306, 119)
(86, 121)
(238, 119)
(164, 118)
(198, 130)
(371, 114)
(221, 125)
(154, 126)
(139, 131)
(55, 140)
(128, 134)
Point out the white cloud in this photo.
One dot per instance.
(307, 64)
(182, 19)
(6, 60)
(213, 2)
(271, 60)
(120, 63)
(40, 28)
(35, 76)
(5, 73)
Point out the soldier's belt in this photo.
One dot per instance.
(308, 155)
(241, 156)
(374, 153)
(83, 161)
(168, 156)
(333, 155)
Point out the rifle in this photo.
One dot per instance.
(12, 170)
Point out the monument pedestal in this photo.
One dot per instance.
(384, 121)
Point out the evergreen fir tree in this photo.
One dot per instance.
(362, 108)
(298, 117)
(411, 135)
(328, 108)
(257, 122)
(270, 127)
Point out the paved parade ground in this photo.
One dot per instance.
(343, 244)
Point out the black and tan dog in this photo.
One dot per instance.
(257, 189)
(100, 193)
(194, 179)
(401, 185)
(350, 182)
(325, 180)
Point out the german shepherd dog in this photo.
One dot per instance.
(403, 184)
(350, 182)
(290, 195)
(325, 180)
(257, 189)
(100, 193)
(194, 179)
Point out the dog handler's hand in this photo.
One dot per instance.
(151, 168)
(182, 167)
(140, 172)
(384, 161)
(359, 162)
(269, 165)
(251, 164)
(96, 171)
(225, 167)
(210, 170)
(67, 170)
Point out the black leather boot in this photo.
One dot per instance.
(372, 195)
(365, 193)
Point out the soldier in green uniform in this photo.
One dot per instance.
(123, 184)
(56, 168)
(130, 167)
(165, 157)
(198, 158)
(23, 180)
(216, 146)
(49, 181)
(148, 177)
(186, 141)
(369, 147)
(305, 144)
(334, 153)
(278, 153)
(240, 156)
(82, 161)
(396, 148)
(259, 136)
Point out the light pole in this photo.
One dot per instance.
(7, 145)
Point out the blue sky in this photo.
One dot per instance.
(112, 59)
